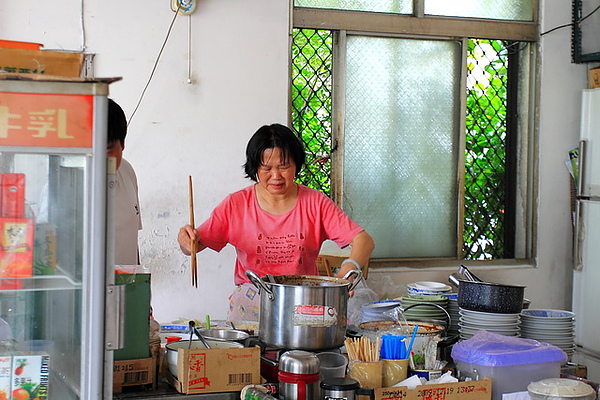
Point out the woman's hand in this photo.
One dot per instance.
(362, 247)
(185, 237)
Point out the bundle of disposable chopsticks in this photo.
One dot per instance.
(363, 349)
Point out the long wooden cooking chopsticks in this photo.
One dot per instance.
(194, 266)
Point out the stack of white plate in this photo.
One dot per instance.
(454, 315)
(472, 321)
(428, 288)
(556, 327)
(379, 311)
(425, 307)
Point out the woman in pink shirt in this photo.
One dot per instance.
(276, 225)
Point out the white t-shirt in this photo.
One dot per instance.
(128, 220)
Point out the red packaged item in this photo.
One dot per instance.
(13, 196)
(16, 251)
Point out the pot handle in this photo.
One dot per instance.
(256, 281)
(470, 276)
(454, 279)
(357, 279)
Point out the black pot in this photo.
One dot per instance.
(490, 297)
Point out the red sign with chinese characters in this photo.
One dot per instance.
(46, 120)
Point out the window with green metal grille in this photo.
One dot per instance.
(486, 200)
(312, 55)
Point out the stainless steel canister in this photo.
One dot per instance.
(298, 375)
(304, 311)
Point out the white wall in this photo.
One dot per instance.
(239, 82)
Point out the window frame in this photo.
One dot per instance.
(387, 23)
(419, 26)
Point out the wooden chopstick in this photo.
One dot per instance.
(194, 266)
(363, 349)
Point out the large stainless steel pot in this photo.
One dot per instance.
(303, 311)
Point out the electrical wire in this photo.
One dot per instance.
(189, 80)
(572, 23)
(155, 63)
(82, 19)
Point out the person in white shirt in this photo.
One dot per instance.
(128, 220)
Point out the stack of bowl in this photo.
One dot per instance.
(425, 307)
(431, 293)
(556, 327)
(427, 288)
(454, 314)
(472, 321)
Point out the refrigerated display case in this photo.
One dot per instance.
(54, 255)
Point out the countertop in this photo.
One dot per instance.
(165, 391)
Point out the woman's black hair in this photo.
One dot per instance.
(269, 137)
(117, 123)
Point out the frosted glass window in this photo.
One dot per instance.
(514, 10)
(401, 105)
(389, 6)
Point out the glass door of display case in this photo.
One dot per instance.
(53, 248)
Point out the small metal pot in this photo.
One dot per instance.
(224, 335)
(344, 388)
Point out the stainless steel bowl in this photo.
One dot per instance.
(230, 335)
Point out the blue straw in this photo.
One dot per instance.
(393, 347)
(403, 348)
(412, 340)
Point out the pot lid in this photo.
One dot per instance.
(340, 384)
(299, 362)
(561, 387)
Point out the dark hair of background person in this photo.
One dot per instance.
(117, 123)
(269, 137)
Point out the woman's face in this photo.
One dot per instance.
(275, 176)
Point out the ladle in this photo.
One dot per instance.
(202, 339)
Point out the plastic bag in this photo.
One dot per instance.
(495, 350)
(362, 295)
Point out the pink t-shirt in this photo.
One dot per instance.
(276, 244)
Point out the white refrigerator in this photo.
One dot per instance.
(586, 275)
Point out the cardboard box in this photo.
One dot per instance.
(471, 390)
(44, 249)
(27, 61)
(133, 373)
(595, 78)
(30, 375)
(13, 196)
(216, 370)
(5, 376)
(16, 251)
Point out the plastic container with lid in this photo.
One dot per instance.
(511, 362)
(560, 389)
